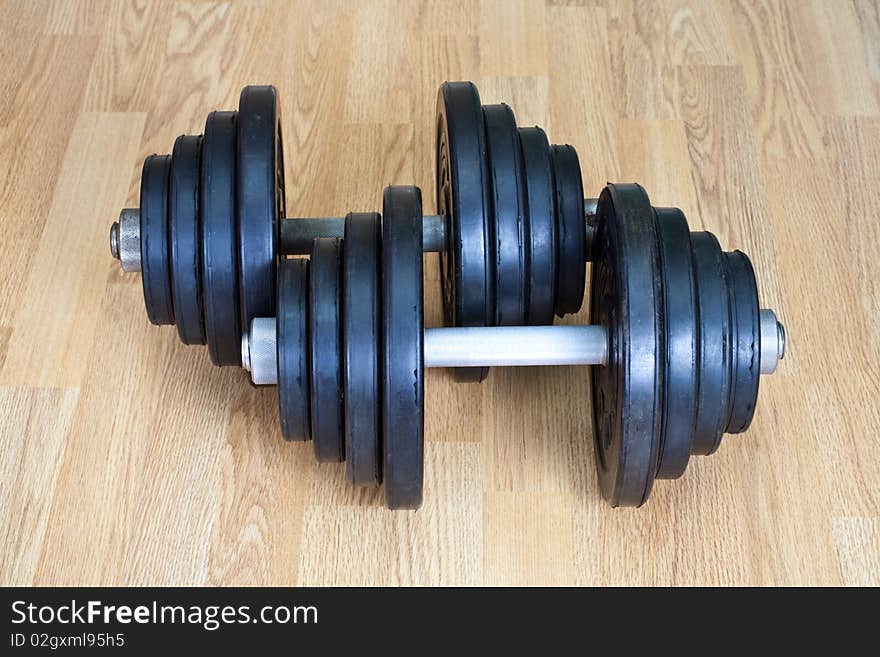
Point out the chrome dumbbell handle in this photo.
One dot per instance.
(489, 346)
(515, 346)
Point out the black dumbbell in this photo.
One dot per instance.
(677, 335)
(205, 235)
(512, 229)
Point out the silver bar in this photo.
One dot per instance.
(490, 346)
(515, 346)
(433, 233)
(297, 234)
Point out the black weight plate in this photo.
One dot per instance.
(326, 347)
(259, 199)
(508, 207)
(360, 339)
(570, 230)
(463, 198)
(746, 363)
(680, 339)
(219, 242)
(155, 264)
(714, 314)
(292, 344)
(184, 232)
(541, 222)
(626, 298)
(403, 367)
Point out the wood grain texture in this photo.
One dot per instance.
(126, 458)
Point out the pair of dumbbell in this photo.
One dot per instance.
(677, 330)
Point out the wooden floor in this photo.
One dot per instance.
(126, 458)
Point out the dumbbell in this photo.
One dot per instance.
(513, 230)
(678, 343)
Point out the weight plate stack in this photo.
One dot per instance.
(515, 222)
(350, 351)
(209, 222)
(684, 343)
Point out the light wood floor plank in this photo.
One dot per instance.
(33, 427)
(70, 265)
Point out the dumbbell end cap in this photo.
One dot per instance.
(245, 351)
(259, 353)
(772, 341)
(114, 240)
(125, 239)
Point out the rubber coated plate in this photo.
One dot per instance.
(260, 199)
(155, 264)
(292, 335)
(183, 232)
(626, 298)
(360, 335)
(714, 386)
(463, 198)
(508, 204)
(680, 338)
(219, 243)
(571, 230)
(746, 363)
(326, 336)
(541, 222)
(403, 392)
